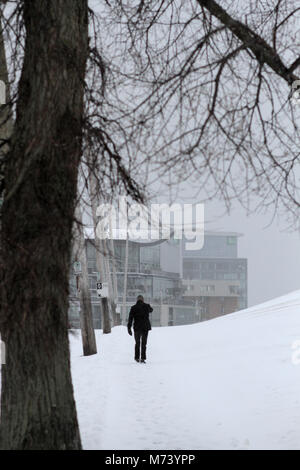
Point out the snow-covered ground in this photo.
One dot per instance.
(231, 383)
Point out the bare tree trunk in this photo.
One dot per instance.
(86, 313)
(100, 255)
(6, 121)
(100, 263)
(37, 403)
(114, 281)
(112, 297)
(125, 280)
(113, 256)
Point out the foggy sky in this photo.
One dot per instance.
(272, 250)
(273, 253)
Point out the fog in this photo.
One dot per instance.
(272, 247)
(273, 253)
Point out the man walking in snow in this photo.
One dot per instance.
(139, 316)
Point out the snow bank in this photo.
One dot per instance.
(230, 383)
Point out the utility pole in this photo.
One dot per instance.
(110, 277)
(86, 313)
(114, 276)
(125, 279)
(100, 254)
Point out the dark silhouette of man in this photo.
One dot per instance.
(139, 316)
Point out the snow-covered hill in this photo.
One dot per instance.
(231, 383)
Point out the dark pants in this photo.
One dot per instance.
(140, 336)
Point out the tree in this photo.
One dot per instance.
(86, 312)
(196, 91)
(100, 254)
(211, 85)
(114, 281)
(6, 123)
(52, 60)
(37, 403)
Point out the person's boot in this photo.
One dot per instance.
(143, 361)
(137, 360)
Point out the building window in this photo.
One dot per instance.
(231, 241)
(233, 289)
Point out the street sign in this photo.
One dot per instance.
(102, 290)
(77, 267)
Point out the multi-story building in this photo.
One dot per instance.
(214, 277)
(182, 286)
(152, 272)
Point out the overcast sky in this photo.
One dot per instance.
(273, 253)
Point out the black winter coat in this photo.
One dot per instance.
(139, 316)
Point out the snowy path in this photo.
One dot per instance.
(138, 411)
(225, 384)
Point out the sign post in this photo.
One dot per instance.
(77, 268)
(102, 290)
(77, 271)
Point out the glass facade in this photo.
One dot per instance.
(149, 258)
(231, 270)
(215, 246)
(219, 268)
(216, 263)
